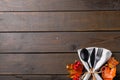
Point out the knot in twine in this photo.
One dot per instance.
(91, 72)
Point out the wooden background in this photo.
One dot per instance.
(39, 37)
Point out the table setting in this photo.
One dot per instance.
(94, 63)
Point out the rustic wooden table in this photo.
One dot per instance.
(39, 37)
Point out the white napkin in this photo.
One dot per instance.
(106, 54)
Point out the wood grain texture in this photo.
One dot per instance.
(60, 21)
(35, 77)
(56, 5)
(39, 37)
(35, 63)
(40, 77)
(58, 41)
(39, 63)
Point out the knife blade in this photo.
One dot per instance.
(92, 57)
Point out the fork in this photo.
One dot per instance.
(98, 55)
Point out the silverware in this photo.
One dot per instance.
(92, 57)
(98, 55)
(84, 54)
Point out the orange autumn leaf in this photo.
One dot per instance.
(109, 71)
(75, 70)
(112, 62)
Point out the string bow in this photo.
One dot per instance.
(92, 73)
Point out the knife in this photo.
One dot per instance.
(92, 58)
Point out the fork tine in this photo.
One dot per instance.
(98, 56)
(101, 52)
(98, 51)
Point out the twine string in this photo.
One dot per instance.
(91, 72)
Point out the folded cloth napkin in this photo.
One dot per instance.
(105, 56)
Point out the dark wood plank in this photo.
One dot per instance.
(58, 41)
(56, 5)
(10, 78)
(40, 77)
(35, 77)
(60, 21)
(44, 77)
(35, 63)
(39, 63)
